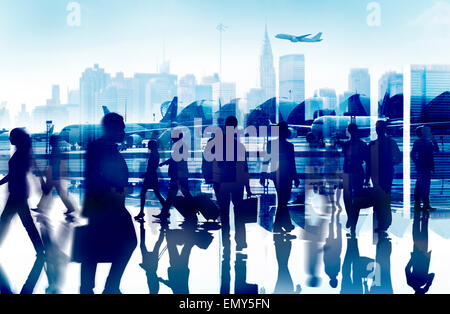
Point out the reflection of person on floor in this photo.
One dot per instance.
(150, 178)
(314, 237)
(178, 272)
(230, 178)
(384, 154)
(355, 154)
(112, 237)
(283, 246)
(179, 180)
(417, 270)
(383, 284)
(283, 172)
(150, 260)
(18, 167)
(55, 180)
(240, 270)
(422, 156)
(332, 250)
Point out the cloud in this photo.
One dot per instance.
(437, 15)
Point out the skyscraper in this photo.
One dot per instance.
(92, 81)
(226, 92)
(267, 70)
(186, 90)
(292, 78)
(359, 82)
(390, 83)
(427, 82)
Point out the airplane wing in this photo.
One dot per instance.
(303, 36)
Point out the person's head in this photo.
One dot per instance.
(113, 127)
(426, 131)
(419, 131)
(333, 283)
(19, 138)
(284, 130)
(54, 141)
(231, 121)
(381, 128)
(353, 130)
(153, 145)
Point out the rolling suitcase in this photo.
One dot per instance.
(185, 208)
(207, 207)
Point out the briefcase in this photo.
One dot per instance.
(248, 210)
(80, 247)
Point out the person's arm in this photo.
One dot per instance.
(435, 145)
(396, 154)
(4, 180)
(296, 180)
(414, 153)
(265, 166)
(247, 178)
(166, 163)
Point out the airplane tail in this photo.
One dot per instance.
(317, 37)
(105, 110)
(172, 111)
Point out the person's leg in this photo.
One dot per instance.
(426, 190)
(282, 217)
(348, 198)
(112, 285)
(65, 197)
(143, 196)
(171, 195)
(237, 196)
(88, 270)
(158, 195)
(30, 227)
(6, 217)
(223, 199)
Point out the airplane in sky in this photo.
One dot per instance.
(302, 39)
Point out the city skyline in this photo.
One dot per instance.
(55, 53)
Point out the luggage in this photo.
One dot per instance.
(185, 208)
(248, 210)
(365, 199)
(207, 207)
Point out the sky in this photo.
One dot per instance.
(38, 48)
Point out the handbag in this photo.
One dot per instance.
(80, 248)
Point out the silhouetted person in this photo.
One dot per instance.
(230, 178)
(383, 155)
(417, 270)
(423, 157)
(55, 176)
(207, 166)
(225, 276)
(151, 178)
(283, 246)
(150, 259)
(179, 181)
(332, 250)
(112, 238)
(18, 167)
(355, 155)
(283, 173)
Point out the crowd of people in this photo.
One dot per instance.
(110, 236)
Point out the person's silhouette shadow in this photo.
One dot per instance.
(417, 269)
(332, 249)
(150, 259)
(284, 285)
(383, 284)
(178, 271)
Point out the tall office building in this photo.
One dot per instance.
(267, 70)
(292, 78)
(226, 92)
(92, 81)
(390, 83)
(359, 82)
(427, 82)
(186, 90)
(329, 98)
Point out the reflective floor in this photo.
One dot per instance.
(316, 257)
